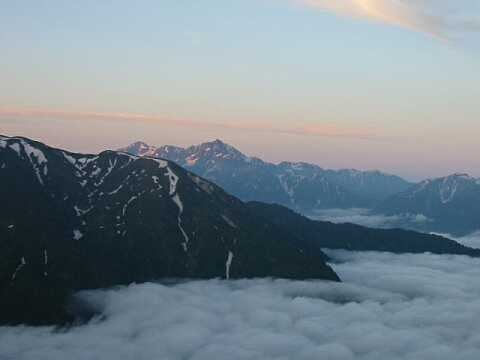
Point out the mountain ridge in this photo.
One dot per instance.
(449, 204)
(73, 221)
(353, 237)
(299, 185)
(78, 221)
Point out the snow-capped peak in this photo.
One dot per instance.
(447, 187)
(216, 149)
(461, 176)
(140, 148)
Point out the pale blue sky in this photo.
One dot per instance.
(335, 87)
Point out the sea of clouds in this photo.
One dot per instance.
(388, 307)
(355, 216)
(364, 217)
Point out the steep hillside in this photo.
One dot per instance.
(73, 221)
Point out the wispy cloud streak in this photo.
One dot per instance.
(319, 129)
(428, 16)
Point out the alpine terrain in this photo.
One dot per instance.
(74, 221)
(449, 204)
(300, 186)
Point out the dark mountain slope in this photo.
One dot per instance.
(73, 221)
(354, 237)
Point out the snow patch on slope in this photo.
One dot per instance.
(228, 264)
(127, 204)
(19, 267)
(173, 180)
(77, 234)
(178, 202)
(36, 157)
(229, 222)
(202, 184)
(448, 189)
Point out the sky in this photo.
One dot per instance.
(369, 84)
(423, 307)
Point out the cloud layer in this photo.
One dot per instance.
(434, 17)
(365, 218)
(319, 129)
(471, 240)
(390, 307)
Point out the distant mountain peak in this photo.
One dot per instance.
(139, 148)
(220, 145)
(300, 185)
(218, 141)
(451, 201)
(216, 149)
(457, 175)
(140, 144)
(461, 176)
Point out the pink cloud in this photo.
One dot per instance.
(319, 129)
(429, 16)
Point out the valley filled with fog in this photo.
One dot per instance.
(364, 217)
(388, 307)
(241, 180)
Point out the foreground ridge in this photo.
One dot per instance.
(76, 221)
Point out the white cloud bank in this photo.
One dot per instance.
(390, 307)
(471, 240)
(365, 218)
(438, 18)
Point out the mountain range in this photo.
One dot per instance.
(448, 204)
(301, 186)
(72, 221)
